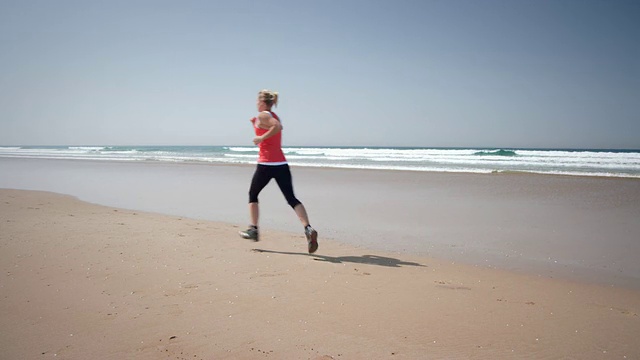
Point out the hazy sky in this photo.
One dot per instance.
(511, 73)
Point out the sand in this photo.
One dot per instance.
(83, 281)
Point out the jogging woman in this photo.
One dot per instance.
(272, 164)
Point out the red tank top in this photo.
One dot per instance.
(271, 148)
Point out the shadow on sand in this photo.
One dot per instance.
(364, 259)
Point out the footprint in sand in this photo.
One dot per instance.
(621, 311)
(445, 285)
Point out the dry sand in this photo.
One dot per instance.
(82, 281)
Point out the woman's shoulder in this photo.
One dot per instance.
(266, 115)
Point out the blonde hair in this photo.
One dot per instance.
(269, 97)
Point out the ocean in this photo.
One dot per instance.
(578, 162)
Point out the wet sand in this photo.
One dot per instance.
(83, 281)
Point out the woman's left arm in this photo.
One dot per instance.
(270, 123)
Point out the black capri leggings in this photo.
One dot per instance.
(264, 174)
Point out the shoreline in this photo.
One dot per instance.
(89, 281)
(527, 223)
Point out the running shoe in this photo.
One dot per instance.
(312, 239)
(251, 234)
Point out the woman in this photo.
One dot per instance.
(273, 165)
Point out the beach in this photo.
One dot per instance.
(143, 261)
(583, 228)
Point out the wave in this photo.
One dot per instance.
(244, 149)
(88, 148)
(499, 152)
(484, 160)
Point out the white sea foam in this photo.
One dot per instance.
(88, 148)
(244, 149)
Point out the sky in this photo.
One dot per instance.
(509, 73)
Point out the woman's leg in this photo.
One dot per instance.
(284, 180)
(261, 178)
(285, 183)
(302, 214)
(254, 213)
